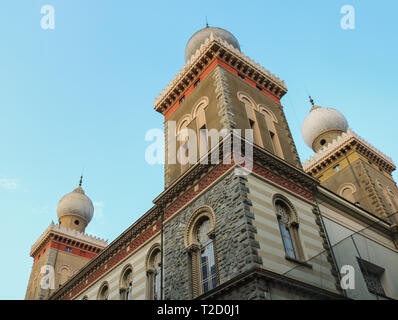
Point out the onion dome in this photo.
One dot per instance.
(76, 204)
(322, 125)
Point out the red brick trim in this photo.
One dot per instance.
(291, 186)
(205, 73)
(76, 250)
(134, 245)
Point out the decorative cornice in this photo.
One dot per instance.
(211, 48)
(56, 229)
(348, 139)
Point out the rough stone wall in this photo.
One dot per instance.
(236, 249)
(253, 289)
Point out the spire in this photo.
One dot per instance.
(312, 101)
(313, 104)
(79, 189)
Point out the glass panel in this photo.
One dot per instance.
(156, 286)
(287, 240)
(205, 287)
(348, 249)
(208, 268)
(214, 282)
(204, 272)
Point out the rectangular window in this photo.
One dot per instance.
(203, 142)
(182, 99)
(196, 83)
(68, 249)
(372, 275)
(336, 168)
(241, 76)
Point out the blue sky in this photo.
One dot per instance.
(80, 97)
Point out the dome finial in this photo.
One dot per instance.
(207, 23)
(81, 180)
(313, 104)
(312, 101)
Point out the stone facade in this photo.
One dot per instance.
(236, 248)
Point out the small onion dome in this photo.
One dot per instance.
(76, 203)
(200, 37)
(321, 120)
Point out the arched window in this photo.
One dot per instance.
(288, 226)
(200, 243)
(154, 273)
(388, 195)
(270, 120)
(103, 292)
(85, 298)
(347, 192)
(200, 117)
(64, 274)
(393, 199)
(126, 283)
(183, 139)
(250, 107)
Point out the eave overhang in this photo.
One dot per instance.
(340, 147)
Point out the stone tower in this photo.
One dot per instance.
(262, 224)
(220, 90)
(347, 164)
(63, 248)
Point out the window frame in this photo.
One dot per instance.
(292, 226)
(194, 248)
(125, 289)
(153, 273)
(101, 295)
(367, 268)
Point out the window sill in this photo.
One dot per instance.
(305, 264)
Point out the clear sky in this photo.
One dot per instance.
(80, 97)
